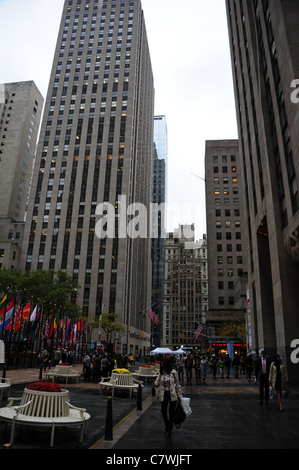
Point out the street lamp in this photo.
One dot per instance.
(100, 324)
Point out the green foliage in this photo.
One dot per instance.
(50, 289)
(110, 325)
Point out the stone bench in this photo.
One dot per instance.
(121, 382)
(49, 409)
(5, 386)
(64, 372)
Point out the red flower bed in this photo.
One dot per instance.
(63, 364)
(45, 387)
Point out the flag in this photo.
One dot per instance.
(2, 303)
(154, 318)
(2, 306)
(17, 318)
(197, 330)
(33, 314)
(5, 324)
(26, 311)
(69, 327)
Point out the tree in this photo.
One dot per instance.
(49, 289)
(233, 330)
(110, 325)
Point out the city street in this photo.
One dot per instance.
(226, 415)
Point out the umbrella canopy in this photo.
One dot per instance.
(162, 351)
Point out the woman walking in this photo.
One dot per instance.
(168, 392)
(278, 378)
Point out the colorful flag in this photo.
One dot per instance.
(2, 306)
(5, 324)
(197, 330)
(26, 311)
(17, 318)
(2, 303)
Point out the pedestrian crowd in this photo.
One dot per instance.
(269, 375)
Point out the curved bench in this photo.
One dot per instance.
(147, 372)
(120, 381)
(44, 409)
(64, 372)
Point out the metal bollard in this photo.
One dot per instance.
(4, 373)
(41, 373)
(139, 398)
(108, 425)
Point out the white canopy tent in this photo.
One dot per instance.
(162, 351)
(180, 351)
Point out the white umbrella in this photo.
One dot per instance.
(162, 351)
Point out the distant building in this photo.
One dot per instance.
(158, 243)
(226, 232)
(21, 106)
(185, 287)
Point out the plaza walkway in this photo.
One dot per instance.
(226, 415)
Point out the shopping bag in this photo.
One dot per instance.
(179, 414)
(185, 402)
(270, 393)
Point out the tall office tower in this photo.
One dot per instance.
(21, 105)
(182, 287)
(264, 41)
(158, 243)
(95, 153)
(227, 253)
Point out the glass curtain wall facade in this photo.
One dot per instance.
(96, 145)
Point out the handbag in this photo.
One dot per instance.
(179, 414)
(185, 402)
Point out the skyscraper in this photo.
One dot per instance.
(21, 106)
(158, 243)
(96, 147)
(227, 241)
(264, 40)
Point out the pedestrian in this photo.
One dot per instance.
(236, 365)
(180, 368)
(228, 364)
(188, 366)
(263, 369)
(105, 365)
(168, 392)
(242, 365)
(221, 364)
(255, 366)
(248, 367)
(97, 367)
(57, 356)
(86, 366)
(197, 367)
(214, 363)
(204, 364)
(278, 378)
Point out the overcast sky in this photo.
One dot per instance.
(193, 81)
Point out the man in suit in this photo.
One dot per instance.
(263, 368)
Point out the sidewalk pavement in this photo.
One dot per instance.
(226, 415)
